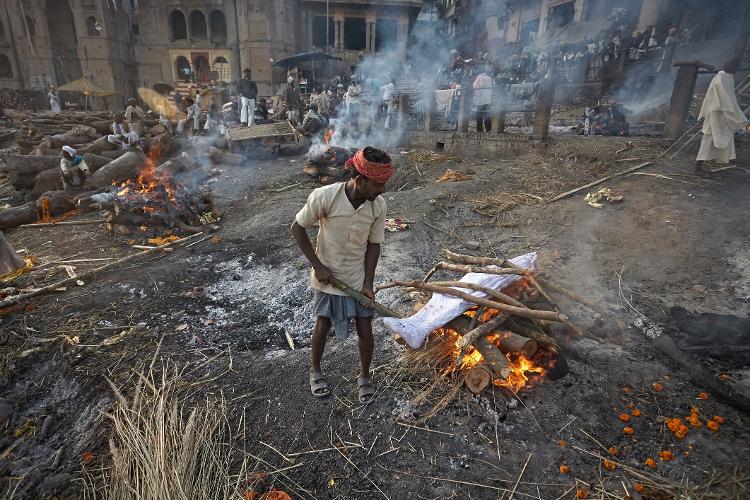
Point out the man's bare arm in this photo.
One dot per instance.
(371, 262)
(322, 273)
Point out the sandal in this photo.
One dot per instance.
(366, 389)
(319, 385)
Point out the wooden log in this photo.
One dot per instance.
(10, 261)
(495, 294)
(493, 357)
(219, 156)
(170, 168)
(472, 260)
(95, 162)
(478, 378)
(98, 146)
(114, 154)
(533, 332)
(16, 216)
(47, 180)
(462, 325)
(161, 143)
(23, 169)
(379, 308)
(64, 223)
(58, 141)
(101, 126)
(519, 311)
(510, 342)
(42, 151)
(118, 170)
(54, 203)
(461, 268)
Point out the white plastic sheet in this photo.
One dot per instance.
(443, 308)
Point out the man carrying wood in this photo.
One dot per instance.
(351, 216)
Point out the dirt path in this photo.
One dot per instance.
(222, 308)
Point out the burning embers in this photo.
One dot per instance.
(172, 196)
(608, 117)
(326, 163)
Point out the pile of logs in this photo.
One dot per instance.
(36, 171)
(327, 164)
(502, 324)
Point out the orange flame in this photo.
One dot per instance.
(327, 136)
(146, 180)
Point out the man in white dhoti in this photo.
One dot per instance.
(722, 117)
(54, 100)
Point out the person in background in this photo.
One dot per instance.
(388, 94)
(483, 100)
(178, 100)
(313, 122)
(247, 91)
(73, 169)
(261, 111)
(293, 101)
(321, 100)
(353, 101)
(135, 123)
(194, 114)
(351, 216)
(119, 137)
(54, 100)
(162, 107)
(722, 117)
(214, 122)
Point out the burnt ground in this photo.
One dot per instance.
(221, 308)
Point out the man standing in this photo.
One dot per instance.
(54, 100)
(320, 99)
(353, 101)
(135, 123)
(722, 116)
(247, 90)
(483, 100)
(351, 215)
(388, 92)
(293, 101)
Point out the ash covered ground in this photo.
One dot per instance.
(222, 309)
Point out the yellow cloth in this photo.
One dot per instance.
(344, 233)
(8, 277)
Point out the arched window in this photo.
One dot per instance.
(198, 27)
(178, 24)
(2, 31)
(6, 70)
(221, 60)
(31, 26)
(91, 26)
(218, 26)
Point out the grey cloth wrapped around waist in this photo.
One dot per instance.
(340, 309)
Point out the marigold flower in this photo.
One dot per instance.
(636, 412)
(703, 395)
(713, 425)
(609, 465)
(624, 417)
(718, 419)
(682, 431)
(582, 493)
(657, 386)
(628, 430)
(673, 424)
(613, 450)
(639, 487)
(650, 462)
(666, 455)
(564, 469)
(87, 457)
(562, 443)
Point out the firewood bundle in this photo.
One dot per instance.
(502, 328)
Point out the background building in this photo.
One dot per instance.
(126, 44)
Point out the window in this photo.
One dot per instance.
(92, 25)
(135, 29)
(179, 27)
(386, 34)
(319, 31)
(561, 15)
(6, 70)
(218, 26)
(198, 27)
(354, 34)
(2, 31)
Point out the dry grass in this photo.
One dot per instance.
(161, 448)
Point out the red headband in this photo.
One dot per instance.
(379, 172)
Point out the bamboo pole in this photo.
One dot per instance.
(379, 308)
(599, 181)
(88, 274)
(63, 223)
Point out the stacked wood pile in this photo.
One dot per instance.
(35, 168)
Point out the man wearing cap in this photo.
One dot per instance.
(293, 101)
(247, 90)
(351, 216)
(73, 169)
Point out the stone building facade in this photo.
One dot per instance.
(124, 45)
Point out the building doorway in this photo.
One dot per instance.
(63, 40)
(201, 67)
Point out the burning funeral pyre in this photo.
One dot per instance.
(608, 117)
(324, 162)
(503, 327)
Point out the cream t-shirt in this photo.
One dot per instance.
(344, 233)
